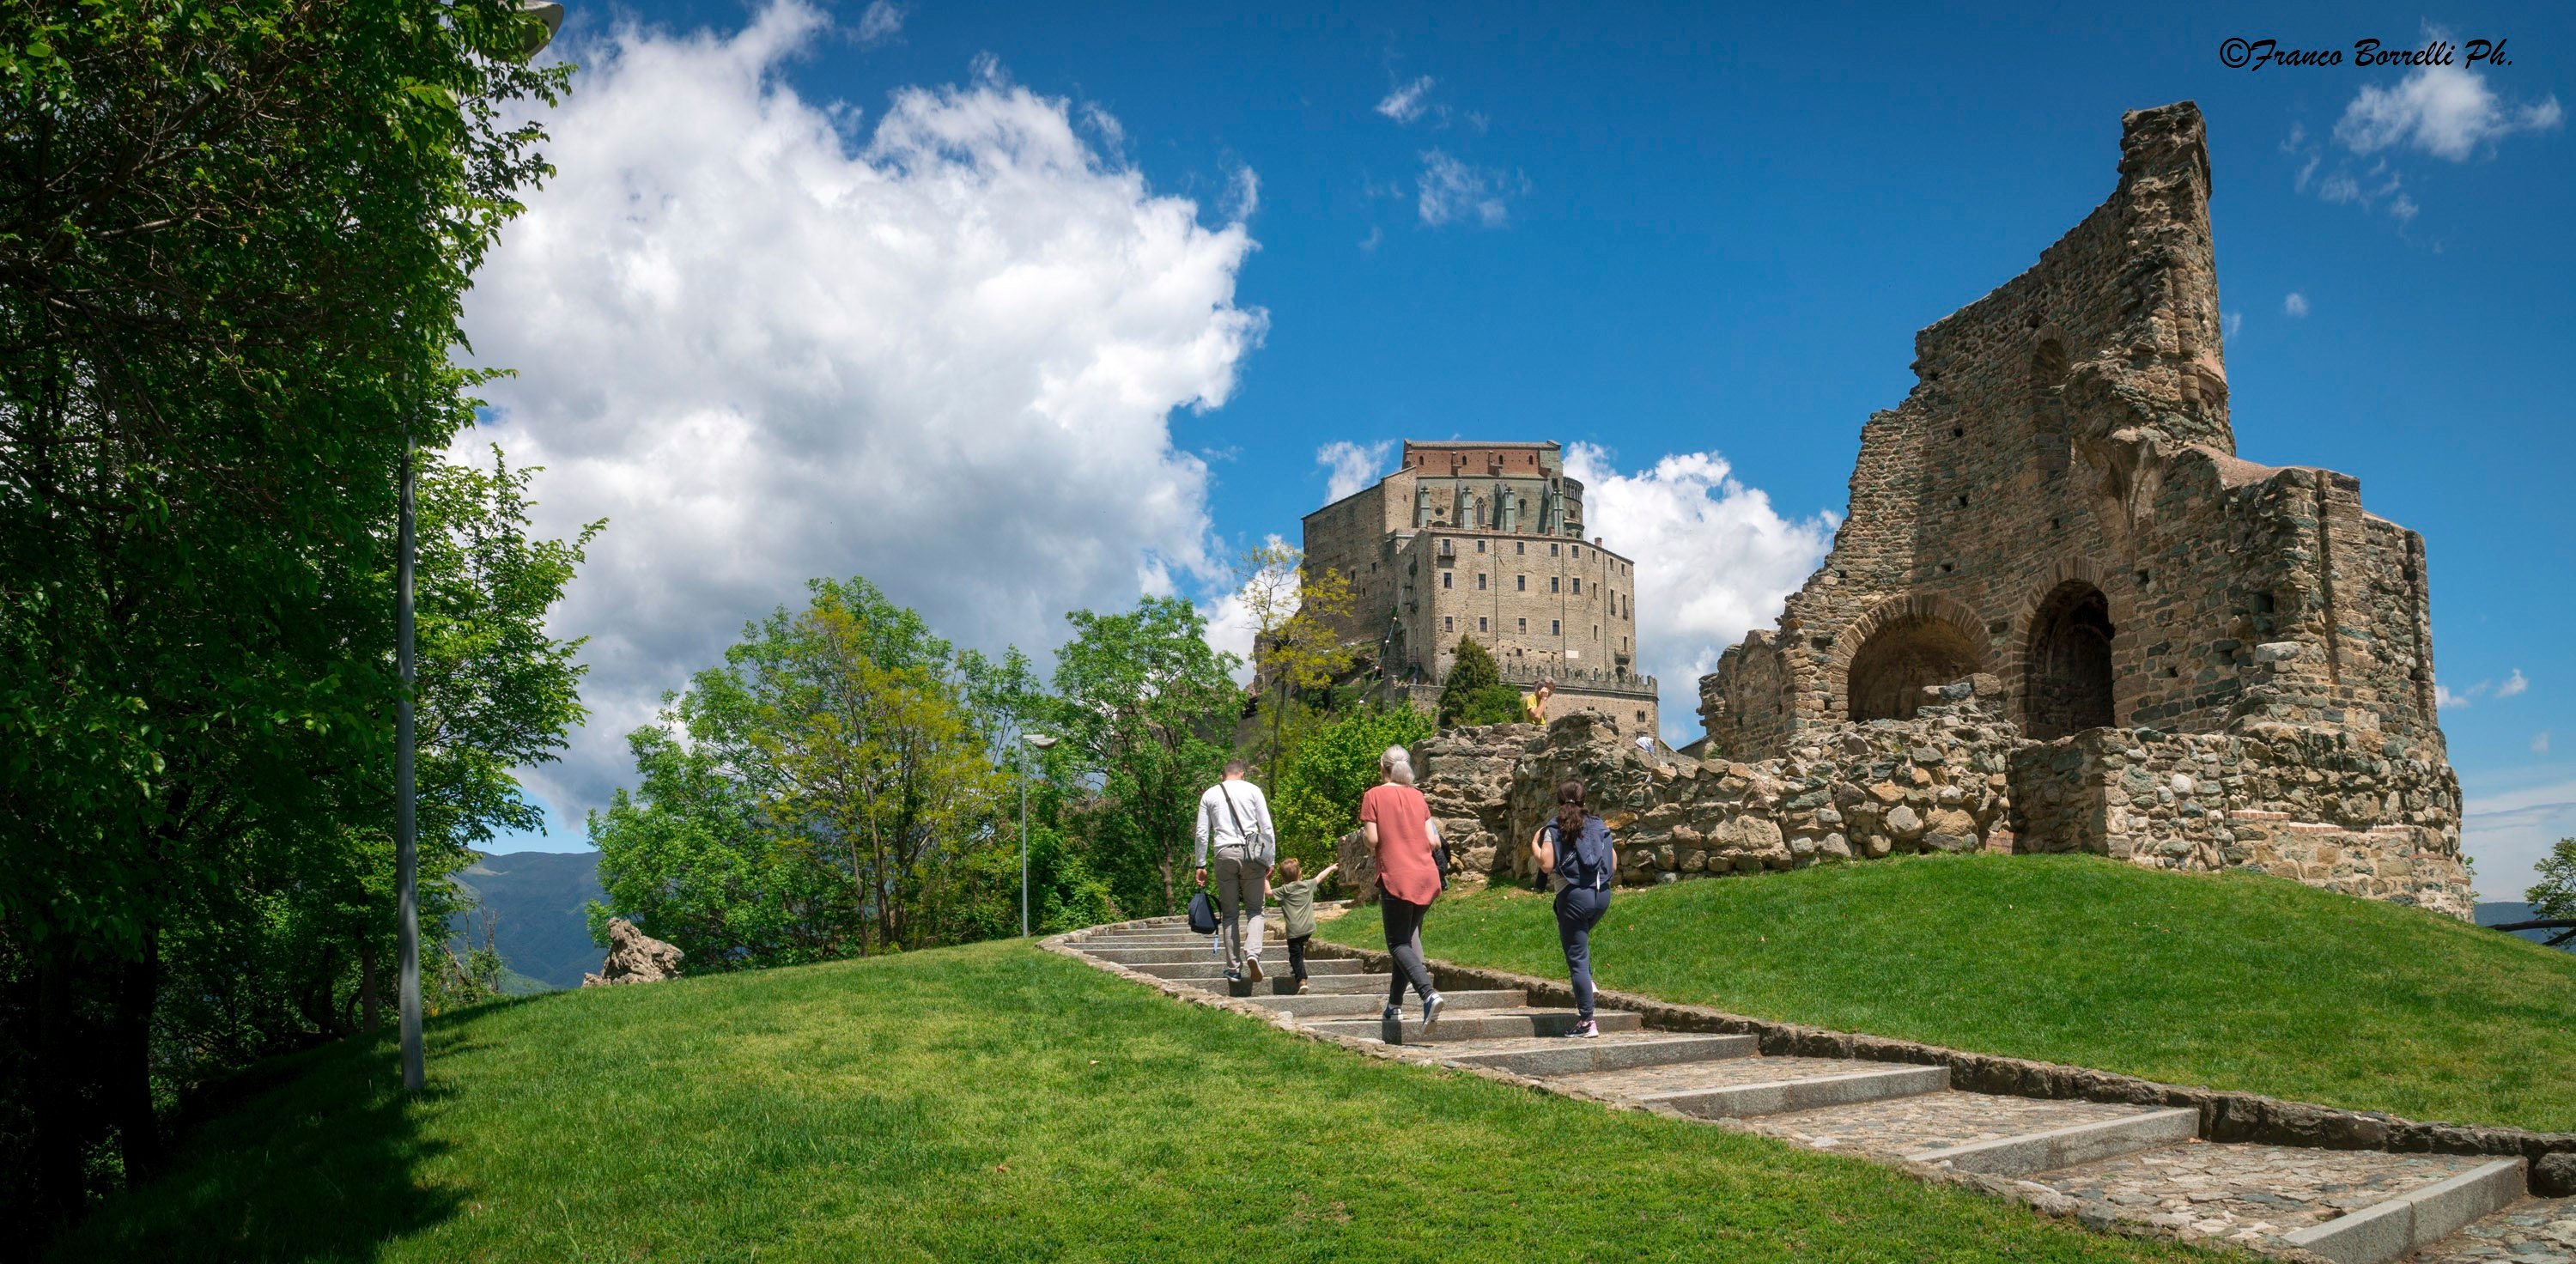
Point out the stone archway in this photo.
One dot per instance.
(2067, 672)
(1899, 659)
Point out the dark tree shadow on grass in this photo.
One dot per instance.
(309, 1157)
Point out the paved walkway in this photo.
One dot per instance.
(2100, 1162)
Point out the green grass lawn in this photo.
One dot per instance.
(987, 1103)
(2230, 981)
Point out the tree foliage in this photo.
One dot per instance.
(1296, 613)
(1474, 692)
(2555, 894)
(835, 788)
(235, 238)
(1317, 798)
(1144, 705)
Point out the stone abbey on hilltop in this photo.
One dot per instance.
(1485, 540)
(2062, 615)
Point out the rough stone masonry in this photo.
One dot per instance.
(2062, 615)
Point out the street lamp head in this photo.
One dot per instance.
(1039, 740)
(549, 15)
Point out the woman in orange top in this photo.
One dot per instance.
(1399, 829)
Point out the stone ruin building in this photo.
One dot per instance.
(2062, 615)
(1485, 540)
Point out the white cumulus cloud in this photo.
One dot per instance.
(1714, 561)
(1352, 466)
(2540, 742)
(2296, 304)
(2446, 111)
(2512, 685)
(769, 342)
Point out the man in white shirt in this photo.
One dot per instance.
(1234, 823)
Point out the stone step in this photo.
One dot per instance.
(1186, 939)
(1763, 1086)
(2415, 1219)
(1181, 956)
(2352, 1206)
(2533, 1231)
(1326, 1005)
(1207, 969)
(1319, 982)
(1477, 1025)
(1977, 1132)
(1281, 986)
(1545, 1056)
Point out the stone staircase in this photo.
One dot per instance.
(2102, 1162)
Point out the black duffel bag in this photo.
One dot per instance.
(1202, 914)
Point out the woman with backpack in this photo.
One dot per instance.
(1576, 848)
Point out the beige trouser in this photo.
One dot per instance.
(1241, 885)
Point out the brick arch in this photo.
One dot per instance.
(1945, 619)
(2013, 649)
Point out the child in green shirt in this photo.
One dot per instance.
(1297, 906)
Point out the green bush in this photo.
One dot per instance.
(1473, 677)
(1317, 797)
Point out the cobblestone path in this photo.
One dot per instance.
(2101, 1162)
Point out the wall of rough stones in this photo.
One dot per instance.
(2069, 435)
(2058, 505)
(1937, 782)
(2315, 805)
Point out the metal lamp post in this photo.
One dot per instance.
(549, 16)
(1041, 741)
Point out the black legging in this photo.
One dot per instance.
(1577, 909)
(1404, 943)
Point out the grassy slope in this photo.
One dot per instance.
(987, 1103)
(2232, 981)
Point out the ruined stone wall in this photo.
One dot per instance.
(2315, 805)
(1933, 783)
(1465, 775)
(2058, 505)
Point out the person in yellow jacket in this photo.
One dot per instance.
(1534, 705)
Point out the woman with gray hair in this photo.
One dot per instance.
(1398, 827)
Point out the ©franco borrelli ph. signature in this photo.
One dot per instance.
(2238, 53)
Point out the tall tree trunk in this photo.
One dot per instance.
(59, 1084)
(129, 1063)
(370, 1009)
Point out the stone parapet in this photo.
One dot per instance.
(1936, 782)
(2318, 805)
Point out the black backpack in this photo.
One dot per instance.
(1202, 914)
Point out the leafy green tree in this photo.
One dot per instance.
(1296, 612)
(1144, 705)
(1317, 799)
(2554, 896)
(236, 238)
(831, 790)
(1474, 692)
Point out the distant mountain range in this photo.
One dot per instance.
(538, 900)
(2497, 912)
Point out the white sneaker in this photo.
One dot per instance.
(1252, 967)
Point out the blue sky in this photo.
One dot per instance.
(1675, 232)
